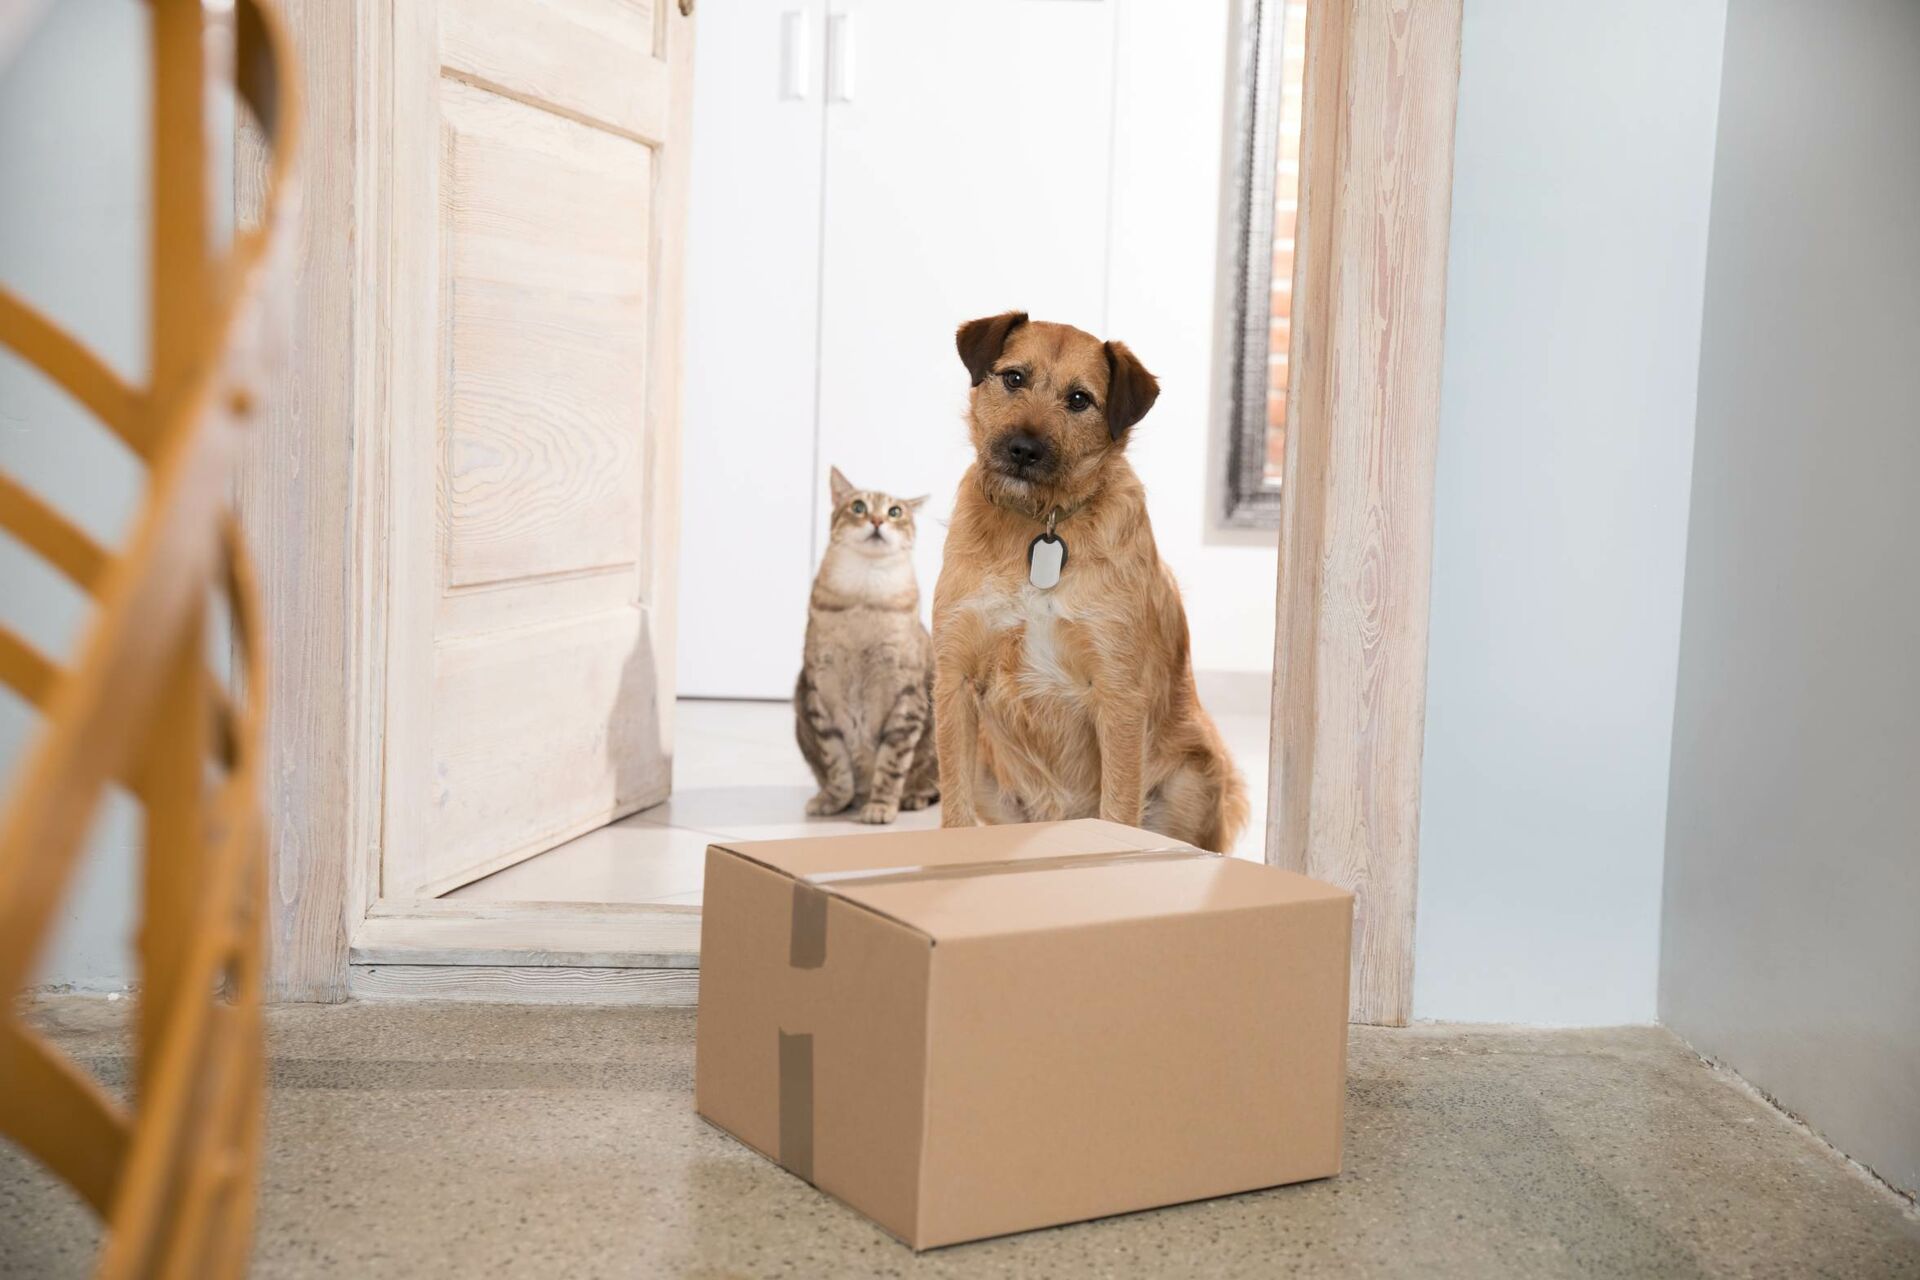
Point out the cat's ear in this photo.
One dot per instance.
(838, 485)
(915, 504)
(980, 341)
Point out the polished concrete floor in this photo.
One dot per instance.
(480, 1140)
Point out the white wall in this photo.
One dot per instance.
(1583, 160)
(1791, 950)
(1163, 292)
(72, 241)
(1157, 213)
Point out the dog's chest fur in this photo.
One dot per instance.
(1034, 651)
(1037, 702)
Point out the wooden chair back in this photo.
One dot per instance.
(171, 1169)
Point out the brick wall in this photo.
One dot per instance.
(1286, 183)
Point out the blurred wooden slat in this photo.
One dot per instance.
(52, 1108)
(75, 370)
(51, 535)
(24, 669)
(173, 1179)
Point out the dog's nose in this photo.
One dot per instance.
(1024, 450)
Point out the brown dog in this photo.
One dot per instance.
(1076, 699)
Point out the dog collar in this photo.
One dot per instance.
(1047, 553)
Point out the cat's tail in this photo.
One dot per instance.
(923, 780)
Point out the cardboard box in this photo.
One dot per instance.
(967, 1032)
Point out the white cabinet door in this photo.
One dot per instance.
(538, 169)
(968, 153)
(753, 273)
(963, 170)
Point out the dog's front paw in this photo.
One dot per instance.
(877, 813)
(825, 803)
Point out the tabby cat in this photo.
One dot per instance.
(864, 704)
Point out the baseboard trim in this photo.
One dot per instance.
(442, 932)
(524, 984)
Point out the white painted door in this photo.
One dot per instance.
(967, 162)
(753, 275)
(538, 179)
(963, 170)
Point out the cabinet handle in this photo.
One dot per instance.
(840, 57)
(793, 55)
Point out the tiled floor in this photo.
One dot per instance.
(424, 1140)
(738, 774)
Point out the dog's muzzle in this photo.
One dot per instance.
(1023, 455)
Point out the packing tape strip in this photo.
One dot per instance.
(796, 1104)
(807, 941)
(807, 949)
(807, 944)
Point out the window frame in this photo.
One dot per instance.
(1252, 500)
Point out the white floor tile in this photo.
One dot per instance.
(630, 861)
(739, 775)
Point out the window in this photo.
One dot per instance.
(1273, 64)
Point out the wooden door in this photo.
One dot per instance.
(539, 176)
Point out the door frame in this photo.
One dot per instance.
(1351, 606)
(1356, 505)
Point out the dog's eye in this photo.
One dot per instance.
(858, 508)
(894, 512)
(1014, 379)
(1078, 402)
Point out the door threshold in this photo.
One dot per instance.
(532, 952)
(524, 984)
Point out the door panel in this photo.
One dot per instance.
(594, 60)
(530, 714)
(538, 179)
(547, 330)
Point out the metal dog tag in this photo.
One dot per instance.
(1046, 557)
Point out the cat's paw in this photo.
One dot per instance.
(824, 803)
(877, 813)
(920, 801)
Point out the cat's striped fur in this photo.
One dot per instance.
(864, 702)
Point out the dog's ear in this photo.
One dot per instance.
(838, 485)
(1131, 390)
(981, 341)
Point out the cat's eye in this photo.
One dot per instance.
(858, 508)
(1078, 402)
(1014, 379)
(893, 512)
